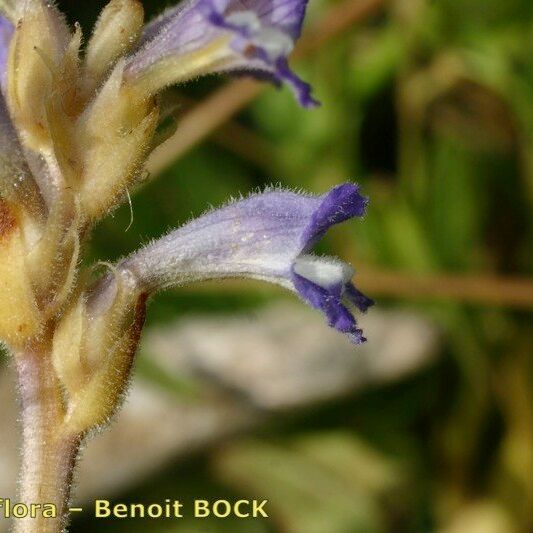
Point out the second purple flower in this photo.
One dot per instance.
(200, 37)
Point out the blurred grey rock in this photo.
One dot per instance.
(285, 356)
(245, 367)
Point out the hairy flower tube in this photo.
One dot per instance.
(76, 128)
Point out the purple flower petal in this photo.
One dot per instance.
(340, 204)
(329, 301)
(6, 32)
(266, 236)
(357, 298)
(237, 35)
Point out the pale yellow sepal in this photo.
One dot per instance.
(93, 354)
(67, 350)
(116, 32)
(8, 8)
(19, 316)
(115, 133)
(37, 49)
(52, 261)
(99, 400)
(61, 108)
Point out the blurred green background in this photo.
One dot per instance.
(429, 105)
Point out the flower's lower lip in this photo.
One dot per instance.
(331, 302)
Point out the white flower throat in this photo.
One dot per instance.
(273, 41)
(325, 272)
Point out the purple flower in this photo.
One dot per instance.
(206, 36)
(266, 236)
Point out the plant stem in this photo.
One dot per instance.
(48, 453)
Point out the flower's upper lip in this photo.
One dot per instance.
(341, 203)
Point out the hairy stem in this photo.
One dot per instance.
(48, 453)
